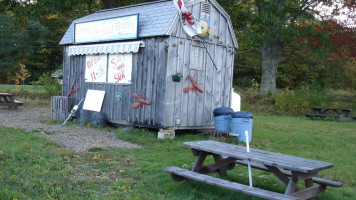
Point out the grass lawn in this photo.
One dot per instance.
(30, 95)
(28, 88)
(32, 167)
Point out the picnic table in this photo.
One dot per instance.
(7, 99)
(338, 113)
(288, 169)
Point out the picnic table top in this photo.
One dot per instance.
(297, 164)
(322, 108)
(6, 94)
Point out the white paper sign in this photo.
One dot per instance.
(94, 100)
(120, 68)
(95, 68)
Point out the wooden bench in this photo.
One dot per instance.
(7, 99)
(337, 113)
(290, 170)
(180, 174)
(317, 180)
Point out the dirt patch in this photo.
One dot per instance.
(74, 137)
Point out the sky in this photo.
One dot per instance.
(346, 16)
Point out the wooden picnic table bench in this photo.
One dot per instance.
(337, 113)
(7, 99)
(288, 169)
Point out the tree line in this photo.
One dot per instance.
(283, 43)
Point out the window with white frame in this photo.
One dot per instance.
(109, 68)
(96, 68)
(120, 68)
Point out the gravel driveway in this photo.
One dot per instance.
(74, 137)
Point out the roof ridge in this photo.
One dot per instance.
(135, 5)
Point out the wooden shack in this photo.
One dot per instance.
(154, 61)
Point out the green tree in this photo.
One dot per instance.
(7, 52)
(271, 24)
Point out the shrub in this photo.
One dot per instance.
(243, 82)
(295, 102)
(50, 84)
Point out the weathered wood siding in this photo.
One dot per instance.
(189, 57)
(60, 107)
(148, 79)
(153, 67)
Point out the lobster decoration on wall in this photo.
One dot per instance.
(141, 101)
(71, 89)
(195, 87)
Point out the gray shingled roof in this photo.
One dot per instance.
(155, 18)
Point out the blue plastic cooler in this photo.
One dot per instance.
(241, 122)
(222, 118)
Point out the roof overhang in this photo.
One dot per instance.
(111, 48)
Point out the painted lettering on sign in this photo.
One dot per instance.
(118, 62)
(95, 70)
(119, 76)
(93, 61)
(108, 29)
(120, 68)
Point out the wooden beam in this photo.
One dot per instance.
(280, 175)
(309, 192)
(199, 161)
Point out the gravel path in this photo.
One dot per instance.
(74, 137)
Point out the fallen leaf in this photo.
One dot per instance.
(185, 166)
(263, 176)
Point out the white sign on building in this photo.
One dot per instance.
(120, 68)
(106, 30)
(95, 68)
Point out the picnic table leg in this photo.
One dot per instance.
(6, 99)
(222, 170)
(309, 183)
(292, 185)
(282, 177)
(199, 161)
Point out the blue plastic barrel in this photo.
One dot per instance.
(222, 118)
(241, 122)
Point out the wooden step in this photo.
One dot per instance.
(18, 102)
(317, 180)
(176, 171)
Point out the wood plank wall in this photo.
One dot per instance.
(151, 77)
(196, 109)
(148, 79)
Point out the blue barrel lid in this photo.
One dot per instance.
(222, 111)
(242, 114)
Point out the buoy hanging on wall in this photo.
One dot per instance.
(118, 96)
(195, 87)
(141, 101)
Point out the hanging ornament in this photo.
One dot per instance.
(206, 29)
(71, 90)
(195, 87)
(141, 101)
(191, 25)
(176, 77)
(118, 96)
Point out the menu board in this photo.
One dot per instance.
(95, 68)
(120, 68)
